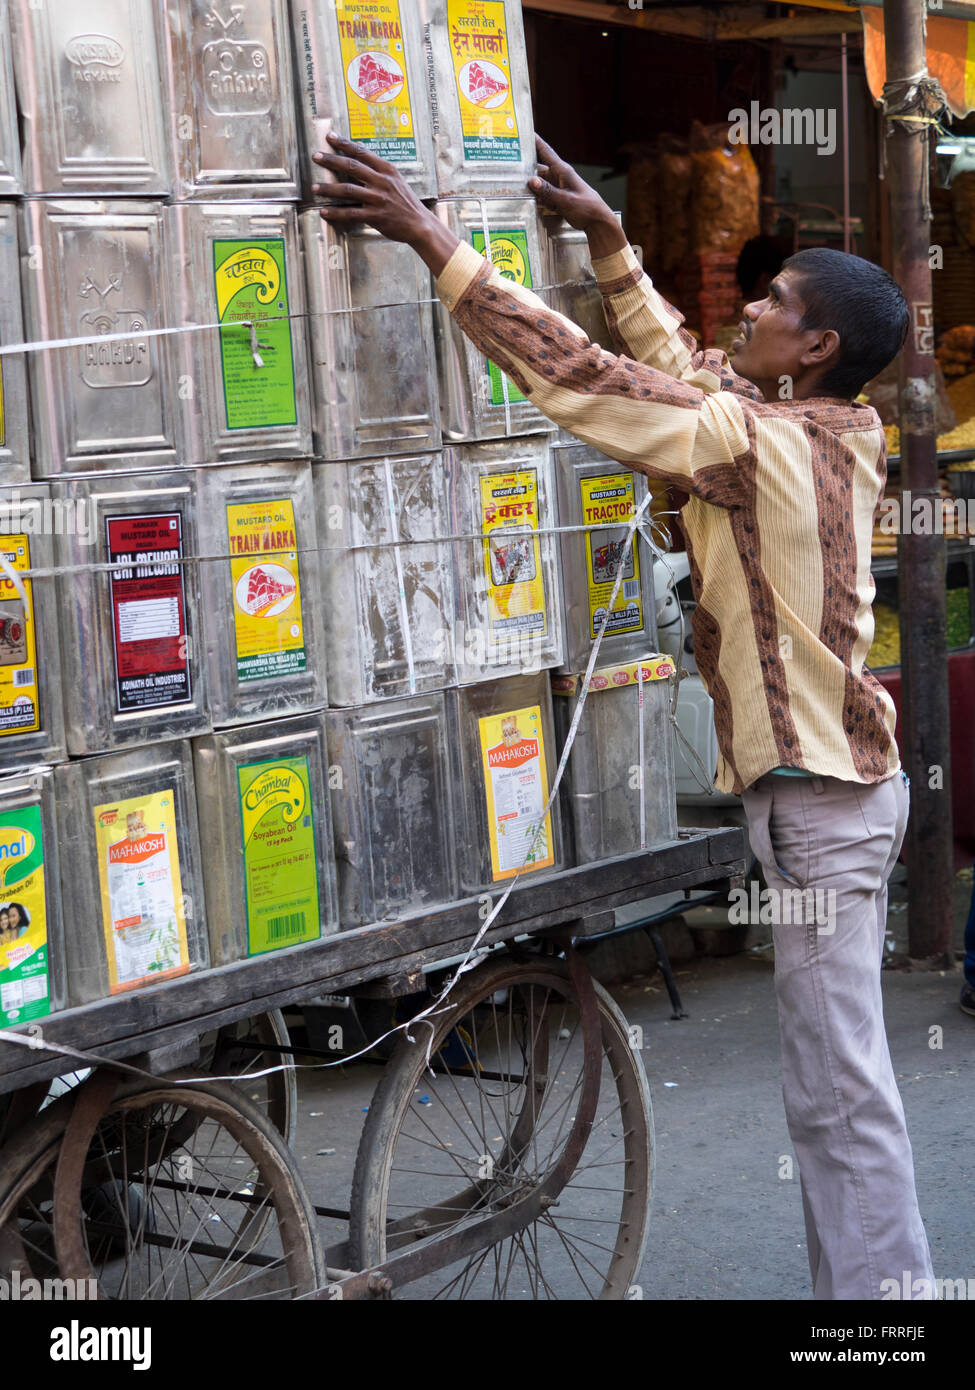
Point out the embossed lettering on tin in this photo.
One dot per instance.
(94, 58)
(126, 363)
(238, 75)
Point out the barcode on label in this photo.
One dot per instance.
(631, 588)
(25, 676)
(280, 928)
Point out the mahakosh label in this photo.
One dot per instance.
(143, 913)
(152, 665)
(19, 693)
(509, 256)
(516, 791)
(377, 91)
(268, 629)
(251, 287)
(478, 39)
(607, 508)
(25, 989)
(280, 862)
(512, 556)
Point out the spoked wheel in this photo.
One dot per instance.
(480, 1140)
(222, 1213)
(255, 1045)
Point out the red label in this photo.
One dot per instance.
(513, 754)
(148, 610)
(134, 851)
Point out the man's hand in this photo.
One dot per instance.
(558, 188)
(371, 190)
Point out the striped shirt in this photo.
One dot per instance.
(782, 501)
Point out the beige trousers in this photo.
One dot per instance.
(844, 1111)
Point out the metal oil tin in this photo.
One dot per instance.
(392, 808)
(264, 812)
(370, 305)
(129, 605)
(11, 177)
(360, 73)
(575, 292)
(131, 869)
(243, 389)
(602, 495)
(14, 422)
(480, 97)
(89, 86)
(31, 719)
(477, 400)
(504, 760)
(606, 777)
(387, 586)
(260, 586)
(231, 98)
(32, 969)
(506, 561)
(94, 270)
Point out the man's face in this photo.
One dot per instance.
(769, 344)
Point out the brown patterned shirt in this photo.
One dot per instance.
(782, 500)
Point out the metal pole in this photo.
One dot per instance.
(924, 737)
(846, 144)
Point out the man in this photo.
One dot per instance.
(784, 474)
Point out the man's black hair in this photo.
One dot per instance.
(860, 302)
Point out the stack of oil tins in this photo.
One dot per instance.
(255, 453)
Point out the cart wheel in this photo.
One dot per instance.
(224, 1214)
(439, 1152)
(234, 1051)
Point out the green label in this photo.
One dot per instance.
(25, 991)
(509, 256)
(280, 867)
(251, 283)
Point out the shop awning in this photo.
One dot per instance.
(950, 46)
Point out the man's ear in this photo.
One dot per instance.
(824, 351)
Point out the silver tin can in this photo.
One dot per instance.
(131, 869)
(574, 291)
(11, 176)
(370, 304)
(477, 400)
(94, 270)
(387, 586)
(32, 969)
(31, 718)
(231, 98)
(504, 757)
(260, 586)
(243, 391)
(14, 421)
(360, 73)
(602, 495)
(129, 604)
(90, 86)
(392, 808)
(506, 563)
(605, 778)
(480, 97)
(263, 806)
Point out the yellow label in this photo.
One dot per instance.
(516, 788)
(250, 265)
(512, 556)
(268, 626)
(607, 508)
(277, 786)
(479, 53)
(143, 916)
(651, 668)
(19, 703)
(377, 90)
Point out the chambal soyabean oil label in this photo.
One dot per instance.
(251, 283)
(516, 789)
(479, 54)
(376, 88)
(509, 256)
(19, 702)
(607, 507)
(25, 990)
(280, 866)
(267, 597)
